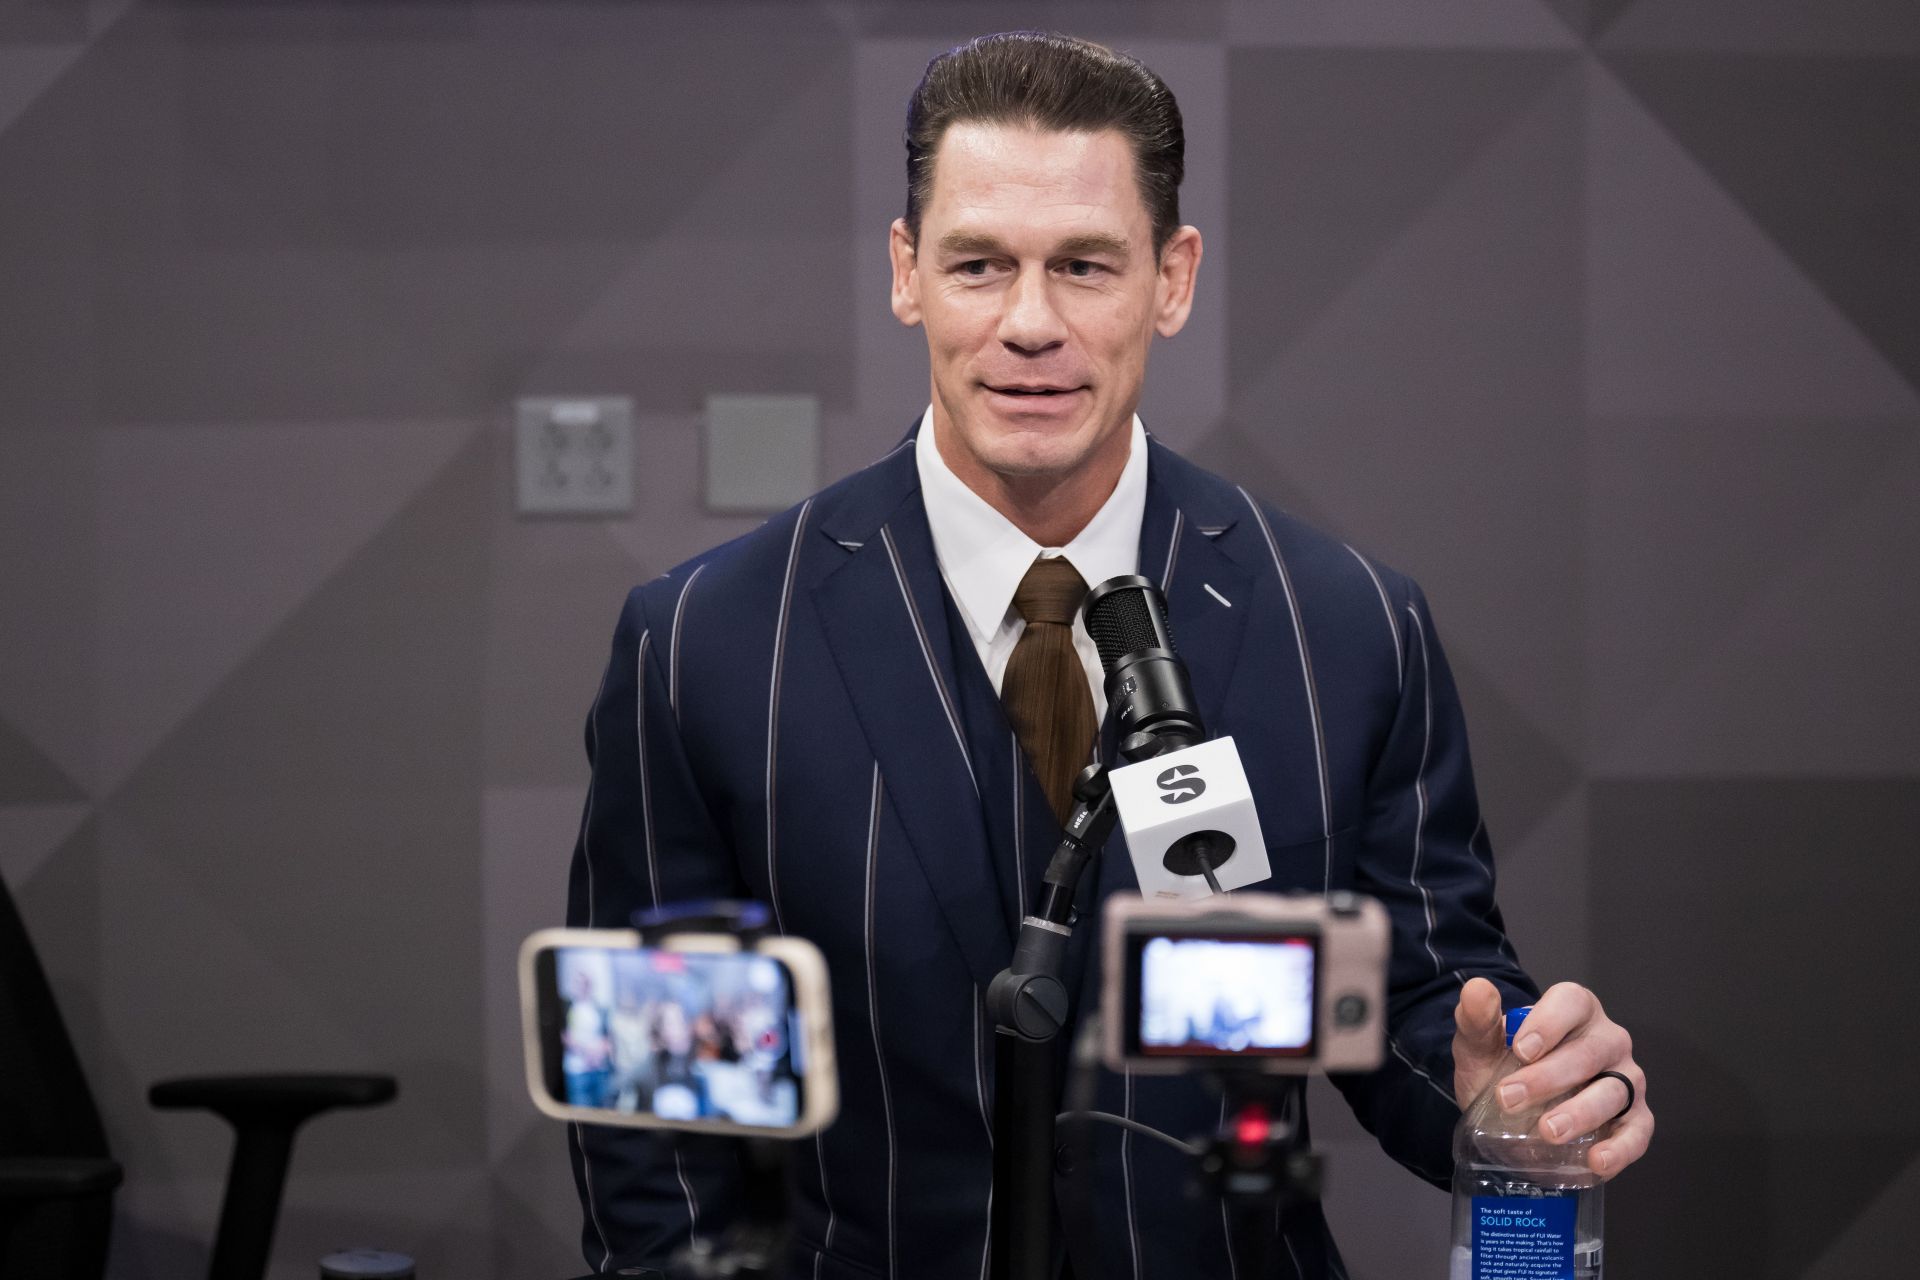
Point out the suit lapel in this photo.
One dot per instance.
(883, 610)
(1208, 593)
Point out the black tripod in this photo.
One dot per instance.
(1257, 1164)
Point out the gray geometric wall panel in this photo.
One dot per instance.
(1595, 315)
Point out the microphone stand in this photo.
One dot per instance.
(1149, 690)
(1028, 1003)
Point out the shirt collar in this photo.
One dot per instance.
(983, 555)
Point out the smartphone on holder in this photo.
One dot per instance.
(701, 1034)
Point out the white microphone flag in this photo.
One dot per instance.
(1198, 788)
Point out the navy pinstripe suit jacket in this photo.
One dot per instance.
(797, 717)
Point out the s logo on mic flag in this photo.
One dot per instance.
(1181, 784)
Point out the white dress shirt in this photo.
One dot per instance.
(983, 555)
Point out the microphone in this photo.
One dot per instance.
(1147, 683)
(1183, 800)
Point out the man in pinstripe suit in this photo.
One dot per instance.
(809, 716)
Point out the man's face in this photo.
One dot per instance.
(1035, 276)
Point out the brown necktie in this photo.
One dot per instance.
(1045, 687)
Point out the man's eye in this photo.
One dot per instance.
(1081, 269)
(977, 267)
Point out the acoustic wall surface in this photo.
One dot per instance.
(1597, 317)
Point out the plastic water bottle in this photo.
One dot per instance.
(1524, 1208)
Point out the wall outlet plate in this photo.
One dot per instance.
(573, 455)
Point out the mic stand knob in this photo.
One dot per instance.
(1032, 1004)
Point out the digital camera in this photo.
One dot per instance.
(1276, 983)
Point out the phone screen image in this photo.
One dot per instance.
(678, 1035)
(1206, 997)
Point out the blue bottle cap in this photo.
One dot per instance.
(366, 1264)
(1514, 1018)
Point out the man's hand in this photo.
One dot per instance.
(1566, 1041)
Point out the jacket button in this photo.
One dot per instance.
(1063, 1159)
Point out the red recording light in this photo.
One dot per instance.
(1251, 1127)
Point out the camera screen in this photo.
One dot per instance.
(681, 1035)
(1202, 997)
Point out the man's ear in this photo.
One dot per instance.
(1179, 268)
(906, 275)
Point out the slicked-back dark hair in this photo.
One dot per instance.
(1044, 80)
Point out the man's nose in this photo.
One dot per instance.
(1030, 323)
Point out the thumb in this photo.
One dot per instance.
(1479, 1038)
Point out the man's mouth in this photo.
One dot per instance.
(1014, 389)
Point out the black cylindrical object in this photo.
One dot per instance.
(1025, 1100)
(255, 1180)
(1147, 684)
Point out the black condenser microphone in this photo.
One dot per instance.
(1187, 812)
(1147, 683)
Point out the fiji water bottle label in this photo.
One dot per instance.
(1523, 1237)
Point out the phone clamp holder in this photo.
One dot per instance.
(754, 1248)
(747, 921)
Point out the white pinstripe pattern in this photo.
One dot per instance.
(980, 1092)
(646, 785)
(1019, 825)
(579, 1137)
(1126, 1179)
(1313, 693)
(586, 818)
(1418, 1070)
(855, 546)
(1393, 623)
(773, 706)
(574, 1133)
(1226, 1224)
(693, 1201)
(653, 867)
(873, 1010)
(986, 1245)
(889, 453)
(586, 854)
(1420, 791)
(673, 653)
(979, 1067)
(1484, 856)
(926, 652)
(820, 1150)
(1173, 551)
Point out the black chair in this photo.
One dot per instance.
(56, 1173)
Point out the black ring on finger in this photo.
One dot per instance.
(1631, 1095)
